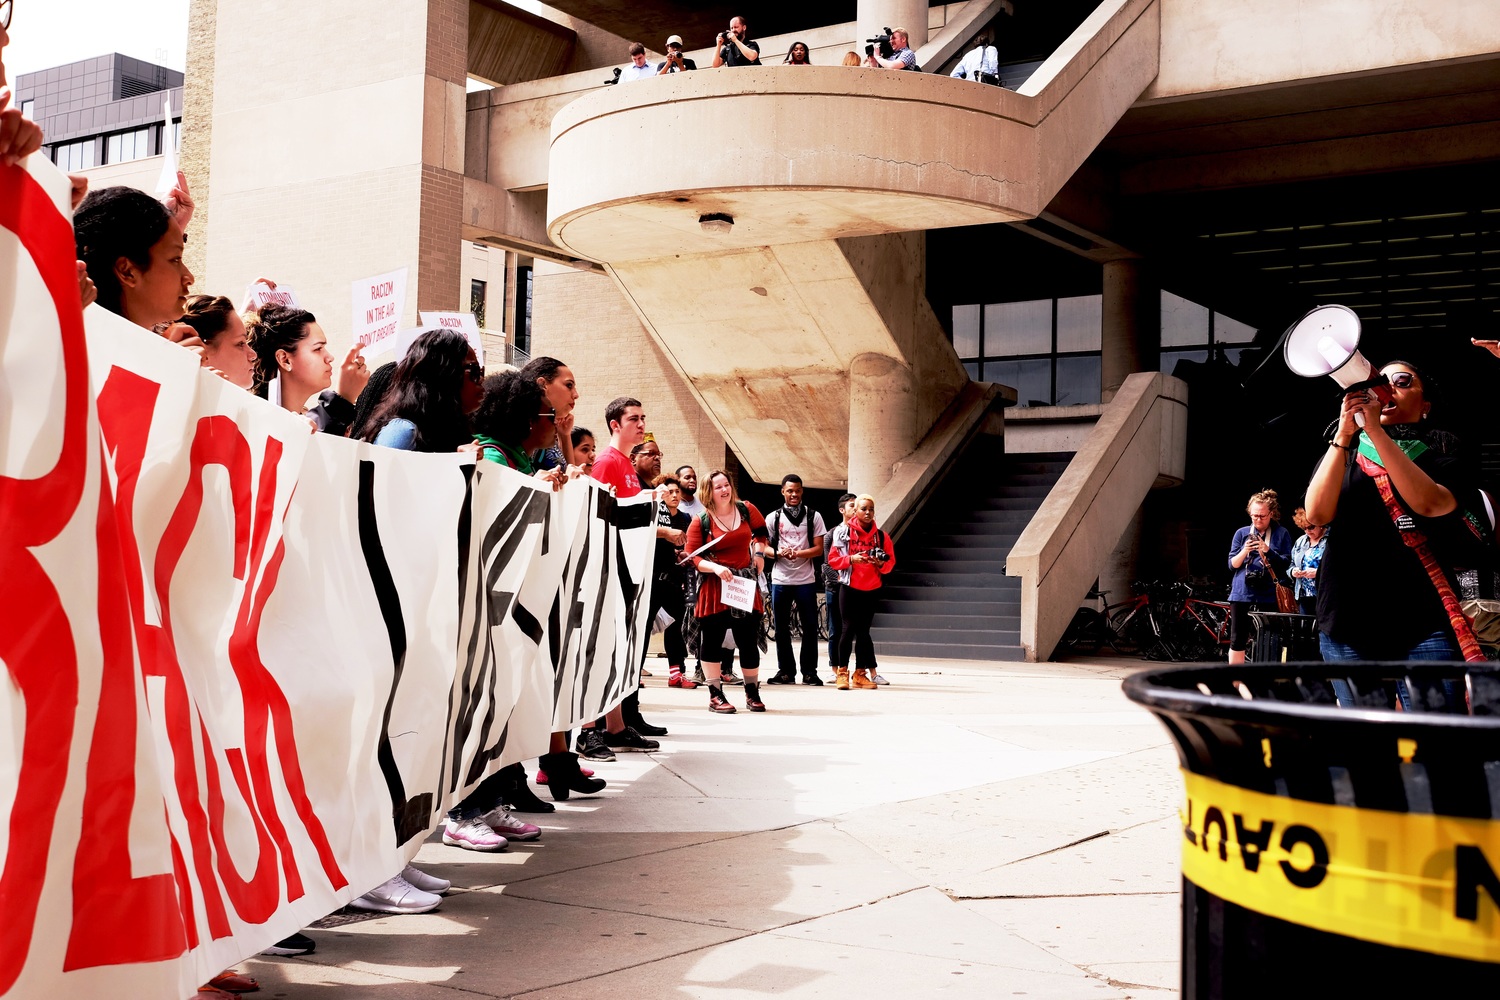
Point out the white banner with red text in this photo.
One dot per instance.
(249, 668)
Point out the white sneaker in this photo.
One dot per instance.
(424, 881)
(502, 822)
(396, 895)
(472, 835)
(879, 680)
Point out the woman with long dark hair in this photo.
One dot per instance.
(433, 391)
(291, 355)
(560, 388)
(133, 249)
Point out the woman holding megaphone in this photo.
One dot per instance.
(1397, 492)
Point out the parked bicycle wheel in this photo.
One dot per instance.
(1086, 632)
(1125, 630)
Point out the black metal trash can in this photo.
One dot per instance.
(1281, 638)
(1331, 851)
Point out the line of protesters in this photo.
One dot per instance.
(437, 398)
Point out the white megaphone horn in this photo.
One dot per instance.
(1326, 342)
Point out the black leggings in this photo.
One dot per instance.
(667, 594)
(746, 632)
(857, 609)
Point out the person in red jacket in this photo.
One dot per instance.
(861, 554)
(738, 533)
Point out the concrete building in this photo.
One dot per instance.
(849, 273)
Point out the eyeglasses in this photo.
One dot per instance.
(475, 371)
(6, 6)
(652, 454)
(1403, 380)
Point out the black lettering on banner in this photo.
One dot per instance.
(601, 596)
(1472, 872)
(409, 816)
(1214, 816)
(1313, 875)
(1252, 845)
(1188, 832)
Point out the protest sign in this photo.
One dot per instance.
(463, 322)
(378, 304)
(261, 294)
(738, 592)
(249, 668)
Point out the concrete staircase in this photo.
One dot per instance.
(949, 595)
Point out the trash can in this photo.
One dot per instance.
(1331, 851)
(1280, 637)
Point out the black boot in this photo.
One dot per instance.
(518, 793)
(752, 697)
(630, 709)
(716, 700)
(564, 778)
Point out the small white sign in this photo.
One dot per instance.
(463, 322)
(260, 294)
(378, 303)
(738, 592)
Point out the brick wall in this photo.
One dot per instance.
(583, 320)
(197, 127)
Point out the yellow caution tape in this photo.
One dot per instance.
(1408, 880)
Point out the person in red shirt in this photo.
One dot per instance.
(861, 554)
(623, 727)
(740, 543)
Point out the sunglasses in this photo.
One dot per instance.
(6, 7)
(1403, 380)
(475, 371)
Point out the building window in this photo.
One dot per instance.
(1046, 349)
(476, 301)
(123, 147)
(27, 109)
(78, 155)
(177, 139)
(523, 309)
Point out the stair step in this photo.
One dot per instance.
(942, 607)
(977, 554)
(992, 562)
(941, 638)
(1007, 619)
(950, 580)
(1006, 592)
(1014, 654)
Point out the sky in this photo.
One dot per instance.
(46, 33)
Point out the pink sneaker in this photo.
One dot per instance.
(502, 822)
(472, 835)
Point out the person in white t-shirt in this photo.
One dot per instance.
(980, 64)
(795, 533)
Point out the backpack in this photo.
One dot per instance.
(817, 561)
(703, 522)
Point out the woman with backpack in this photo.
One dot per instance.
(861, 554)
(737, 533)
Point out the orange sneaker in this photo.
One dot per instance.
(841, 678)
(862, 681)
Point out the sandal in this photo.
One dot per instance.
(233, 981)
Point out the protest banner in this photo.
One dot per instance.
(249, 668)
(378, 305)
(463, 322)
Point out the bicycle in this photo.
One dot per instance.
(1130, 627)
(1200, 631)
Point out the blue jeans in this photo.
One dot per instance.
(1437, 646)
(835, 621)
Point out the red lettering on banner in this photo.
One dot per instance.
(36, 640)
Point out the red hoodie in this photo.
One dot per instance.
(857, 541)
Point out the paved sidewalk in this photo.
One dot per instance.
(973, 830)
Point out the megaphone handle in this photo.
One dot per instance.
(1359, 419)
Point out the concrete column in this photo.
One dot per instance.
(336, 153)
(882, 420)
(1131, 324)
(874, 15)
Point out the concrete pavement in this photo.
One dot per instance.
(973, 830)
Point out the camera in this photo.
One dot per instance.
(884, 41)
(876, 556)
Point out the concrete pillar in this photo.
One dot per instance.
(1131, 324)
(332, 161)
(882, 420)
(875, 15)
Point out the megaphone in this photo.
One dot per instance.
(1326, 342)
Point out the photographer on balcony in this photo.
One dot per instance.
(902, 57)
(734, 47)
(675, 62)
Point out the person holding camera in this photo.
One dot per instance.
(734, 47)
(902, 57)
(639, 68)
(862, 555)
(1259, 554)
(675, 62)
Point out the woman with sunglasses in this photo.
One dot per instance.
(432, 393)
(1376, 599)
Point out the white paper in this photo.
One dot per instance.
(167, 179)
(463, 322)
(378, 304)
(738, 592)
(260, 294)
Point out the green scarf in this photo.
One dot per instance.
(1411, 447)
